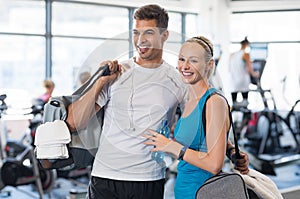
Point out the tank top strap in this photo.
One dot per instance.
(206, 95)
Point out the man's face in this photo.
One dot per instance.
(148, 40)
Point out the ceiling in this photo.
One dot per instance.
(263, 5)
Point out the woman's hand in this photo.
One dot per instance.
(157, 140)
(242, 163)
(161, 143)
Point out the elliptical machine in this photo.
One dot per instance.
(268, 137)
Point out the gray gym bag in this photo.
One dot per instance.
(223, 185)
(84, 143)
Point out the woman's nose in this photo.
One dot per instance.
(185, 65)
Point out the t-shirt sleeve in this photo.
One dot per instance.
(103, 96)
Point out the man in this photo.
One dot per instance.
(240, 70)
(137, 95)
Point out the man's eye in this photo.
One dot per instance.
(149, 32)
(180, 59)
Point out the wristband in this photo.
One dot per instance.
(182, 152)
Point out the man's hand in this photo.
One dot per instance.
(114, 68)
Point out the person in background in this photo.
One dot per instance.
(137, 95)
(200, 143)
(241, 69)
(48, 85)
(215, 78)
(84, 76)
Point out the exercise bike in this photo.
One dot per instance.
(20, 166)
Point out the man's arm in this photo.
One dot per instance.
(80, 111)
(250, 70)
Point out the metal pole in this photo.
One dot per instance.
(48, 37)
(36, 173)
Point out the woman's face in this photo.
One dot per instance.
(191, 63)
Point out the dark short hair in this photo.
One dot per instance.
(245, 41)
(153, 11)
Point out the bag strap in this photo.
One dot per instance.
(236, 146)
(87, 85)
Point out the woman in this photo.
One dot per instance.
(200, 146)
(49, 85)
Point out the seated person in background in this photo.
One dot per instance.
(84, 76)
(49, 87)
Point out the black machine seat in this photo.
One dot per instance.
(267, 163)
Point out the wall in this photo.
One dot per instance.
(214, 18)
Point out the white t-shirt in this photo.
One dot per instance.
(240, 78)
(138, 100)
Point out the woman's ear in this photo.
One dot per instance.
(211, 63)
(210, 67)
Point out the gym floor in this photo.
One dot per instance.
(287, 180)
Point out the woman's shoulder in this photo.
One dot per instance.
(217, 99)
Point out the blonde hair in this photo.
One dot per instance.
(209, 51)
(48, 83)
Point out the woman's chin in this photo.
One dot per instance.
(186, 81)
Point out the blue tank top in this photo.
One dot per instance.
(189, 131)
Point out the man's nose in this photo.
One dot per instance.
(141, 39)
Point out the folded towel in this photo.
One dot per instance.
(59, 151)
(51, 140)
(55, 132)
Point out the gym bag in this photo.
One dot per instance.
(84, 143)
(223, 185)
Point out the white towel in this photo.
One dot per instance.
(52, 133)
(262, 184)
(51, 140)
(59, 151)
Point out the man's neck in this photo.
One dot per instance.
(148, 63)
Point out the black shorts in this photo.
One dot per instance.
(102, 188)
